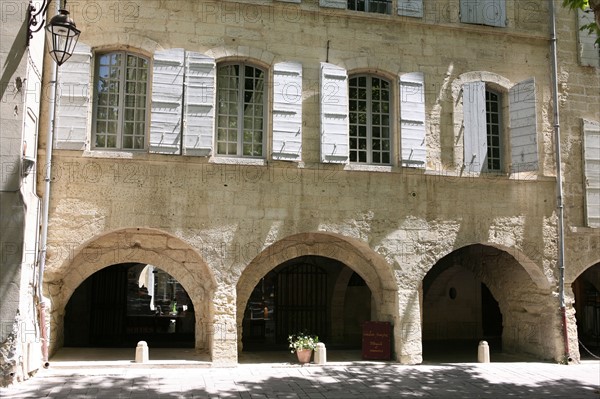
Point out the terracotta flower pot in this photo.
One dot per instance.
(304, 355)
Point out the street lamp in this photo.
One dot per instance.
(61, 32)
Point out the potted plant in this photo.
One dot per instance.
(303, 344)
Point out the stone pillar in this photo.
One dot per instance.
(407, 331)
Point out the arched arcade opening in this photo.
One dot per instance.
(321, 281)
(481, 292)
(128, 252)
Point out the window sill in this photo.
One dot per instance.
(238, 161)
(368, 168)
(114, 154)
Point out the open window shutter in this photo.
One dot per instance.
(73, 100)
(523, 127)
(167, 101)
(287, 111)
(199, 104)
(334, 114)
(410, 8)
(591, 172)
(589, 53)
(475, 133)
(412, 119)
(333, 3)
(484, 12)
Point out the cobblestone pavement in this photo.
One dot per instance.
(335, 380)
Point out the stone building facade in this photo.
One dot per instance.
(399, 158)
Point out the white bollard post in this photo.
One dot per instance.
(483, 352)
(320, 354)
(141, 352)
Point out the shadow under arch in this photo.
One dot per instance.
(357, 255)
(585, 300)
(528, 265)
(141, 245)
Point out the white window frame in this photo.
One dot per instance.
(369, 122)
(240, 114)
(120, 121)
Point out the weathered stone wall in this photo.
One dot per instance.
(391, 225)
(20, 87)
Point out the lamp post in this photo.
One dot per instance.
(62, 36)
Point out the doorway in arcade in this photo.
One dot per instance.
(312, 294)
(126, 303)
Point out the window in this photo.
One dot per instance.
(496, 142)
(493, 117)
(121, 85)
(369, 112)
(376, 6)
(240, 110)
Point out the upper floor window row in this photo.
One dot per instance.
(199, 107)
(481, 12)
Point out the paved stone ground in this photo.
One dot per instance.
(343, 380)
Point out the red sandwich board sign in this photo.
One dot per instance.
(376, 340)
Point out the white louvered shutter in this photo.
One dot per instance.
(591, 172)
(589, 52)
(167, 101)
(287, 111)
(73, 100)
(523, 127)
(333, 3)
(483, 12)
(412, 119)
(410, 8)
(199, 104)
(334, 114)
(475, 129)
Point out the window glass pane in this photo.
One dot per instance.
(240, 98)
(116, 71)
(369, 119)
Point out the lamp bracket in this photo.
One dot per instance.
(35, 25)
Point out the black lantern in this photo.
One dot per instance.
(62, 36)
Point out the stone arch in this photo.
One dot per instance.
(525, 297)
(143, 245)
(255, 55)
(357, 255)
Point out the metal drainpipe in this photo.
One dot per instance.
(559, 189)
(45, 211)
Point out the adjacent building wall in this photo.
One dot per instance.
(20, 90)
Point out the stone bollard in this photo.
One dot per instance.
(141, 352)
(483, 352)
(320, 354)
